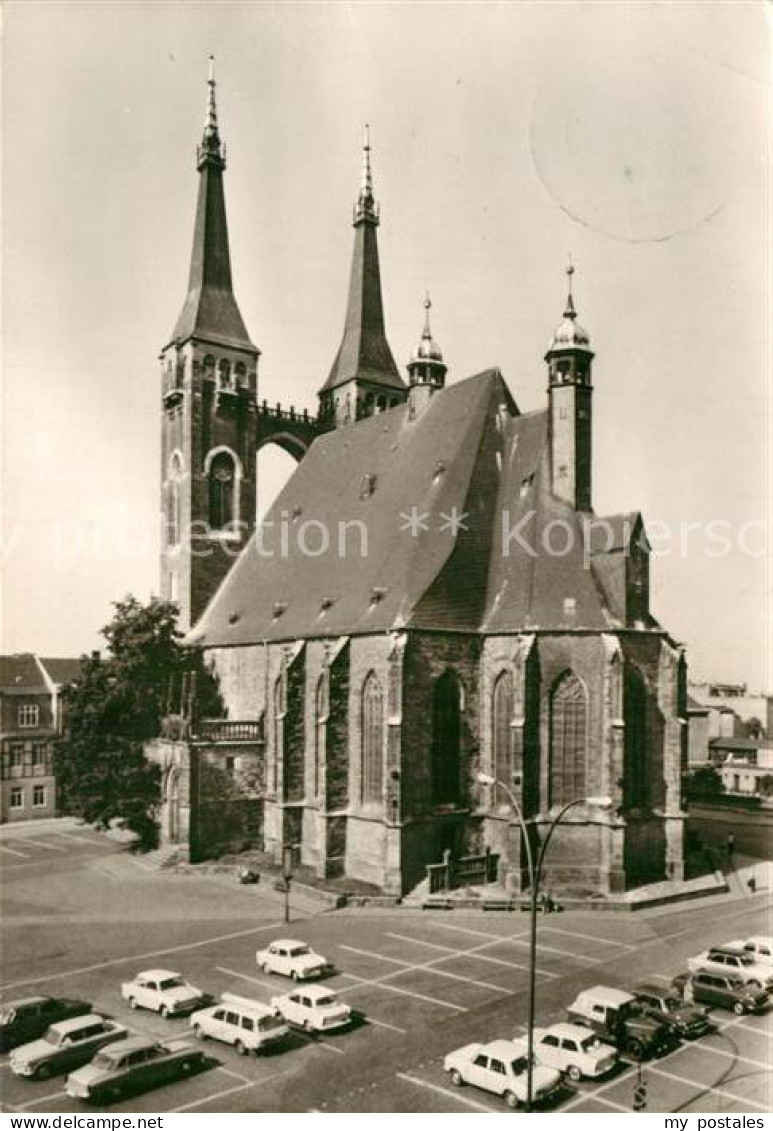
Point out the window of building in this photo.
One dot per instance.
(320, 730)
(38, 796)
(372, 740)
(224, 373)
(17, 798)
(635, 766)
(17, 755)
(446, 740)
(222, 477)
(503, 701)
(29, 715)
(173, 501)
(568, 740)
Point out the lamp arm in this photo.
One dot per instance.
(527, 842)
(554, 823)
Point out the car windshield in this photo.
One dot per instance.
(672, 1003)
(103, 1060)
(52, 1036)
(269, 1023)
(6, 1016)
(298, 951)
(171, 983)
(590, 1043)
(520, 1064)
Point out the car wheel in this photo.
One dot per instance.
(186, 1067)
(739, 1008)
(573, 1072)
(43, 1072)
(114, 1093)
(511, 1100)
(199, 1033)
(456, 1077)
(164, 1011)
(240, 1047)
(133, 1003)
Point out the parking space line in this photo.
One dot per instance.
(381, 983)
(430, 967)
(317, 1042)
(748, 1028)
(92, 842)
(474, 952)
(702, 1089)
(446, 1092)
(42, 1100)
(519, 940)
(248, 978)
(14, 852)
(492, 937)
(607, 1103)
(383, 1024)
(219, 1095)
(589, 938)
(236, 1075)
(59, 974)
(705, 1047)
(45, 844)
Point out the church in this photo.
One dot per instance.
(430, 623)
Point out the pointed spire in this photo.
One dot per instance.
(569, 312)
(210, 309)
(570, 334)
(426, 365)
(366, 208)
(426, 332)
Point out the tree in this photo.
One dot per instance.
(115, 706)
(765, 785)
(752, 728)
(703, 783)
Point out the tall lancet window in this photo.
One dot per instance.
(635, 766)
(568, 740)
(446, 740)
(222, 487)
(504, 697)
(173, 501)
(372, 740)
(320, 729)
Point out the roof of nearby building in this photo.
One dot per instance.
(468, 456)
(696, 708)
(21, 673)
(61, 669)
(739, 743)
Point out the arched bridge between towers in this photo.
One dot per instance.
(289, 429)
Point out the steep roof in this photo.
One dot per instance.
(21, 673)
(468, 470)
(61, 669)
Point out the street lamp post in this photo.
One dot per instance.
(534, 868)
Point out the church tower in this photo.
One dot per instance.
(569, 359)
(364, 378)
(208, 406)
(426, 369)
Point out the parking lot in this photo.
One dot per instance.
(427, 983)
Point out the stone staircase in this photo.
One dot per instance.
(165, 856)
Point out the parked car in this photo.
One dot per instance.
(727, 991)
(28, 1018)
(733, 960)
(163, 991)
(250, 1026)
(313, 1008)
(136, 1064)
(501, 1067)
(760, 947)
(663, 1005)
(616, 1017)
(573, 1050)
(294, 959)
(65, 1045)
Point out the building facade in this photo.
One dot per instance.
(430, 602)
(30, 719)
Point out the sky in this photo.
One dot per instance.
(505, 137)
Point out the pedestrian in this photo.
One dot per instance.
(730, 844)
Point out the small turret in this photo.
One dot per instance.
(426, 369)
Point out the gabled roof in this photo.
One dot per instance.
(21, 673)
(418, 509)
(61, 669)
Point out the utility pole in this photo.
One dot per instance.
(287, 875)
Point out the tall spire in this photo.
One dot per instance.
(426, 366)
(210, 310)
(364, 355)
(569, 312)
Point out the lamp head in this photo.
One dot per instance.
(485, 779)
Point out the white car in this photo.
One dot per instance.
(250, 1026)
(294, 959)
(501, 1067)
(164, 992)
(313, 1008)
(573, 1050)
(733, 960)
(760, 947)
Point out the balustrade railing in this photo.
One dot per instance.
(462, 872)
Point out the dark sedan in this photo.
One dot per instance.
(723, 990)
(664, 1005)
(28, 1018)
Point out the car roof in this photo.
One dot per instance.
(502, 1048)
(19, 1001)
(316, 991)
(159, 974)
(608, 994)
(287, 942)
(246, 1004)
(77, 1022)
(734, 950)
(131, 1044)
(648, 988)
(567, 1029)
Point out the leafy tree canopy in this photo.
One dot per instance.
(116, 705)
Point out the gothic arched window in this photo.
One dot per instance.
(446, 740)
(502, 714)
(635, 763)
(222, 482)
(568, 740)
(320, 729)
(372, 740)
(280, 708)
(224, 373)
(173, 501)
